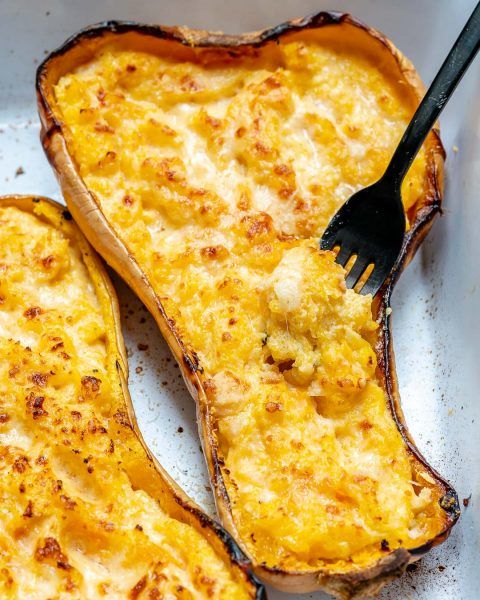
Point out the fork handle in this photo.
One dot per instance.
(438, 94)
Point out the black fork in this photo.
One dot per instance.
(371, 223)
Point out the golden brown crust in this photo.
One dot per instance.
(170, 495)
(357, 583)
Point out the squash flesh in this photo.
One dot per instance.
(74, 524)
(213, 172)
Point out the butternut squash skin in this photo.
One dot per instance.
(82, 203)
(66, 438)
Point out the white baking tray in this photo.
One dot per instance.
(436, 325)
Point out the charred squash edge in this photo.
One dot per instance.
(82, 203)
(180, 506)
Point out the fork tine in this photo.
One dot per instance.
(356, 271)
(343, 255)
(329, 238)
(374, 281)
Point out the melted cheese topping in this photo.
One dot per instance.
(73, 523)
(220, 174)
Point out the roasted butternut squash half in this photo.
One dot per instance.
(204, 168)
(86, 511)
